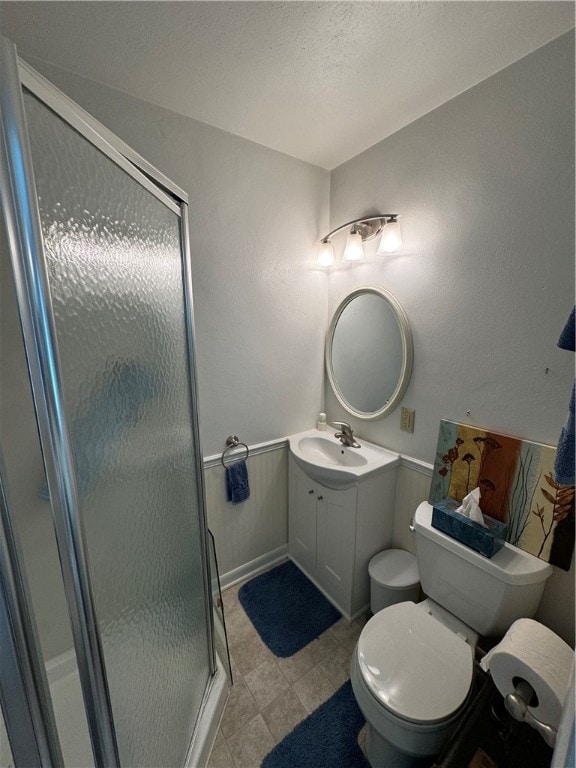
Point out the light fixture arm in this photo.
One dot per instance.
(366, 232)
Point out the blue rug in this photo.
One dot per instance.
(328, 738)
(287, 610)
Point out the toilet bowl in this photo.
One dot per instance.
(413, 666)
(412, 677)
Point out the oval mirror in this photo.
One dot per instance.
(369, 353)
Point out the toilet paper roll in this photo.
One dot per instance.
(532, 652)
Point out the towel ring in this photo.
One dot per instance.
(231, 443)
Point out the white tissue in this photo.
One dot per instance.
(532, 652)
(470, 507)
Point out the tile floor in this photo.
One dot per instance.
(270, 696)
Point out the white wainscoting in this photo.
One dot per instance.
(253, 535)
(412, 487)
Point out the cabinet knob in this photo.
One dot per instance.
(320, 498)
(312, 491)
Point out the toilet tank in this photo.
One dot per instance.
(486, 594)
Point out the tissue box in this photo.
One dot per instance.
(487, 541)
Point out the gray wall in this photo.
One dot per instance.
(260, 309)
(485, 189)
(259, 301)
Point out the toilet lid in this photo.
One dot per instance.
(414, 665)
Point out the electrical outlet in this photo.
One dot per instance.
(407, 419)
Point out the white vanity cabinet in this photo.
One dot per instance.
(332, 534)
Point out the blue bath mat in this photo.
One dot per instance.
(286, 609)
(328, 738)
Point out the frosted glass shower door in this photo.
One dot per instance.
(116, 275)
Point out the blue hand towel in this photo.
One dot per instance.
(564, 462)
(237, 485)
(567, 337)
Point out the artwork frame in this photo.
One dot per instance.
(517, 486)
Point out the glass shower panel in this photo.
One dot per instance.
(23, 473)
(220, 633)
(115, 270)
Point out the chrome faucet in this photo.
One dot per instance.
(346, 436)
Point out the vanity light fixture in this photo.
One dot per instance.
(361, 231)
(326, 256)
(391, 239)
(354, 250)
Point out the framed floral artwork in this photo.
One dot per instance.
(517, 487)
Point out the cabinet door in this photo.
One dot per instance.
(336, 529)
(302, 523)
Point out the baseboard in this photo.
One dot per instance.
(254, 567)
(362, 612)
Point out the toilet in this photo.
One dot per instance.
(413, 665)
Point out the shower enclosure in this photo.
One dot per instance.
(104, 571)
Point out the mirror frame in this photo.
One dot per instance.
(407, 353)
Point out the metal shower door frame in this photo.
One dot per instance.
(18, 195)
(24, 697)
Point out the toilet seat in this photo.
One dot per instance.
(413, 665)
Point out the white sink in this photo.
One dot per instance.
(323, 457)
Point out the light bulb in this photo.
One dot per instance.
(326, 254)
(391, 238)
(354, 250)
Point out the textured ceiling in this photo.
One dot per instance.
(318, 80)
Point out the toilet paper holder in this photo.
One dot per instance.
(517, 705)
